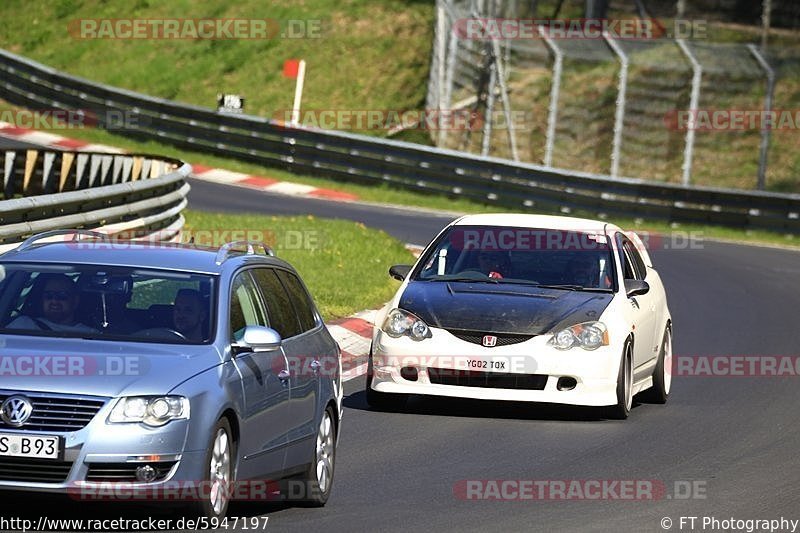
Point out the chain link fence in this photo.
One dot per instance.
(659, 108)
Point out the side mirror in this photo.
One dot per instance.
(258, 339)
(399, 272)
(635, 287)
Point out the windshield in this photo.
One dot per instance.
(101, 302)
(492, 254)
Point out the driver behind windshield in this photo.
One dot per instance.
(56, 307)
(494, 264)
(189, 314)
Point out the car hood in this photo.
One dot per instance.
(101, 368)
(500, 308)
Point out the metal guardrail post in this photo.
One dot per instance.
(766, 130)
(490, 98)
(619, 117)
(555, 91)
(451, 57)
(694, 103)
(436, 77)
(501, 80)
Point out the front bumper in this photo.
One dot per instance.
(101, 451)
(540, 366)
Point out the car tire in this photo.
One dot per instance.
(662, 375)
(622, 409)
(313, 488)
(219, 466)
(380, 400)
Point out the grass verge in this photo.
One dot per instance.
(360, 54)
(344, 264)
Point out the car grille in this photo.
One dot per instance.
(125, 472)
(490, 380)
(503, 339)
(56, 413)
(33, 470)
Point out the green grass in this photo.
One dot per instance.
(365, 54)
(344, 264)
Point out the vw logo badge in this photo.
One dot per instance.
(16, 410)
(489, 341)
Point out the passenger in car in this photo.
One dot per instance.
(585, 271)
(189, 314)
(59, 300)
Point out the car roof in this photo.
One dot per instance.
(535, 221)
(169, 256)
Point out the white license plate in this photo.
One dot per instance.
(15, 445)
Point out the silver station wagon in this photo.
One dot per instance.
(180, 373)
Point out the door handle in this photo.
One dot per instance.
(315, 366)
(284, 376)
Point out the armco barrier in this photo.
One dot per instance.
(140, 195)
(371, 160)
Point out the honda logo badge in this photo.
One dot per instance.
(489, 341)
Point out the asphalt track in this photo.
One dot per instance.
(736, 439)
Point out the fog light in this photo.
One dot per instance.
(566, 383)
(145, 473)
(409, 373)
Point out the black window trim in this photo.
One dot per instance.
(639, 268)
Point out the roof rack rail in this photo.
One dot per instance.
(250, 249)
(30, 241)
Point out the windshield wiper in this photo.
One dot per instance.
(469, 279)
(571, 287)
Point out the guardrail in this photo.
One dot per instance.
(135, 195)
(371, 160)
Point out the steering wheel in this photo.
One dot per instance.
(159, 332)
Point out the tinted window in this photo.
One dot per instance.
(282, 317)
(519, 255)
(246, 307)
(300, 299)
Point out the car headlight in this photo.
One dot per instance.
(588, 335)
(399, 322)
(150, 410)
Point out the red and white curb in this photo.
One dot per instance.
(51, 140)
(354, 335)
(217, 175)
(261, 183)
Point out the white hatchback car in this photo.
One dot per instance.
(525, 308)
